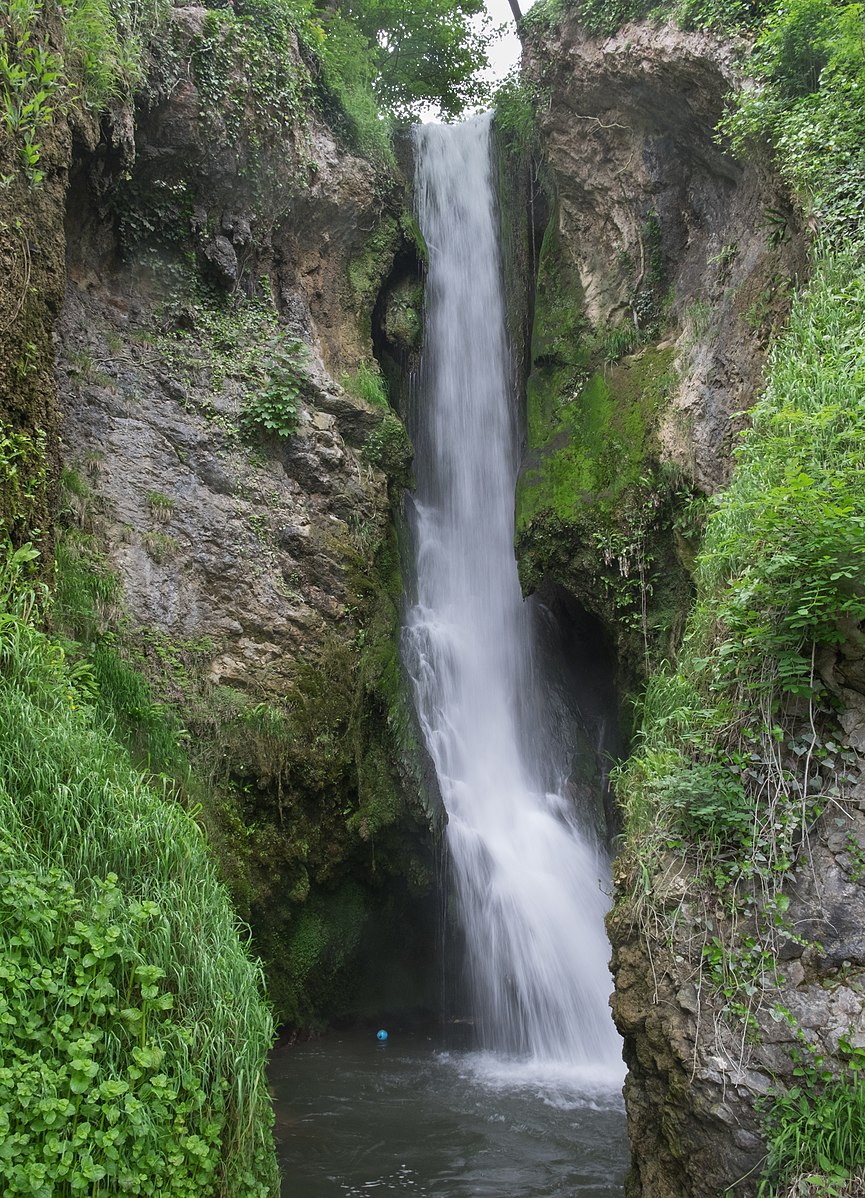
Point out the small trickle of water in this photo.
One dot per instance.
(531, 879)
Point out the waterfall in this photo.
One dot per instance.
(529, 873)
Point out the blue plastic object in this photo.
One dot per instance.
(381, 1035)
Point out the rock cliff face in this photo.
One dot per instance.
(655, 229)
(202, 269)
(697, 1074)
(247, 542)
(665, 266)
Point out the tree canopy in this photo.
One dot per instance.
(427, 53)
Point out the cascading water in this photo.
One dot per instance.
(530, 878)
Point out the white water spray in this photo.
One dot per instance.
(530, 883)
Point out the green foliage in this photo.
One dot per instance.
(809, 61)
(133, 1034)
(244, 340)
(30, 77)
(346, 82)
(98, 58)
(105, 44)
(367, 383)
(784, 558)
(604, 17)
(515, 108)
(426, 53)
(545, 15)
(272, 409)
(738, 751)
(816, 1129)
(246, 68)
(23, 478)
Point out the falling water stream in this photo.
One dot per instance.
(534, 1109)
(530, 875)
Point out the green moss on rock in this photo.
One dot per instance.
(368, 269)
(594, 510)
(403, 315)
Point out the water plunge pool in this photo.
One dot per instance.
(356, 1118)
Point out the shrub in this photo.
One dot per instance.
(816, 1129)
(809, 62)
(273, 408)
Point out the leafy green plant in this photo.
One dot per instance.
(616, 343)
(23, 478)
(30, 77)
(816, 1128)
(345, 77)
(104, 46)
(274, 407)
(809, 61)
(132, 1046)
(161, 546)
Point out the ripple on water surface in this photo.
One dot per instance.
(354, 1117)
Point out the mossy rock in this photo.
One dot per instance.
(594, 510)
(368, 269)
(402, 323)
(388, 446)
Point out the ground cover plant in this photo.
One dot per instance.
(132, 1027)
(816, 1130)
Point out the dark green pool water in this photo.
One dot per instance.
(355, 1118)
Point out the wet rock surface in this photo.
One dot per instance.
(649, 201)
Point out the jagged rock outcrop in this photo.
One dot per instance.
(657, 229)
(698, 1074)
(650, 201)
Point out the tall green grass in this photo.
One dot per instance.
(132, 1030)
(781, 574)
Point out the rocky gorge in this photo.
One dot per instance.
(211, 315)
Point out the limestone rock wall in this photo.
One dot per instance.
(650, 201)
(656, 226)
(189, 297)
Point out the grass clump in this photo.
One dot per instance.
(785, 553)
(367, 383)
(133, 1031)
